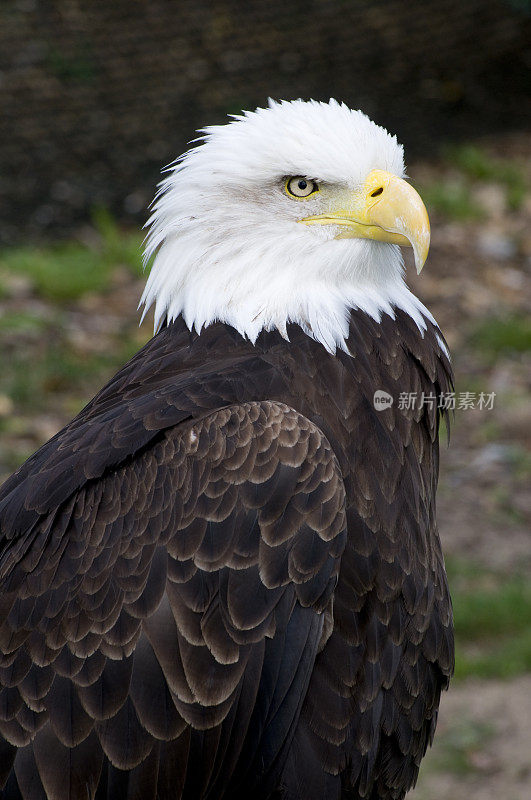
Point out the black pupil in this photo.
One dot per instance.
(302, 184)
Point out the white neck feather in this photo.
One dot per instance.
(257, 285)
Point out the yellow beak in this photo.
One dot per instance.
(387, 209)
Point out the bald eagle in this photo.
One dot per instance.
(223, 578)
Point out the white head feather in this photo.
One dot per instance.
(226, 238)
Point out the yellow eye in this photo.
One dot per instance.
(300, 188)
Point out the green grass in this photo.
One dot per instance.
(521, 462)
(506, 659)
(61, 272)
(118, 246)
(42, 368)
(21, 322)
(457, 745)
(502, 608)
(480, 165)
(452, 199)
(502, 335)
(59, 371)
(492, 618)
(452, 195)
(66, 271)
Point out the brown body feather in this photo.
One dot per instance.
(224, 576)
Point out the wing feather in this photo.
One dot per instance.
(170, 611)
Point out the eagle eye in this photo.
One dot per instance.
(301, 188)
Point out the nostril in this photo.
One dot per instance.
(377, 192)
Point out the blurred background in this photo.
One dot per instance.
(95, 97)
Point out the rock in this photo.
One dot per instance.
(496, 245)
(492, 197)
(490, 458)
(16, 286)
(45, 426)
(6, 405)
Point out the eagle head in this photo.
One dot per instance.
(290, 213)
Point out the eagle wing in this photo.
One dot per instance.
(159, 627)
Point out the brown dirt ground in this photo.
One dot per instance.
(489, 724)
